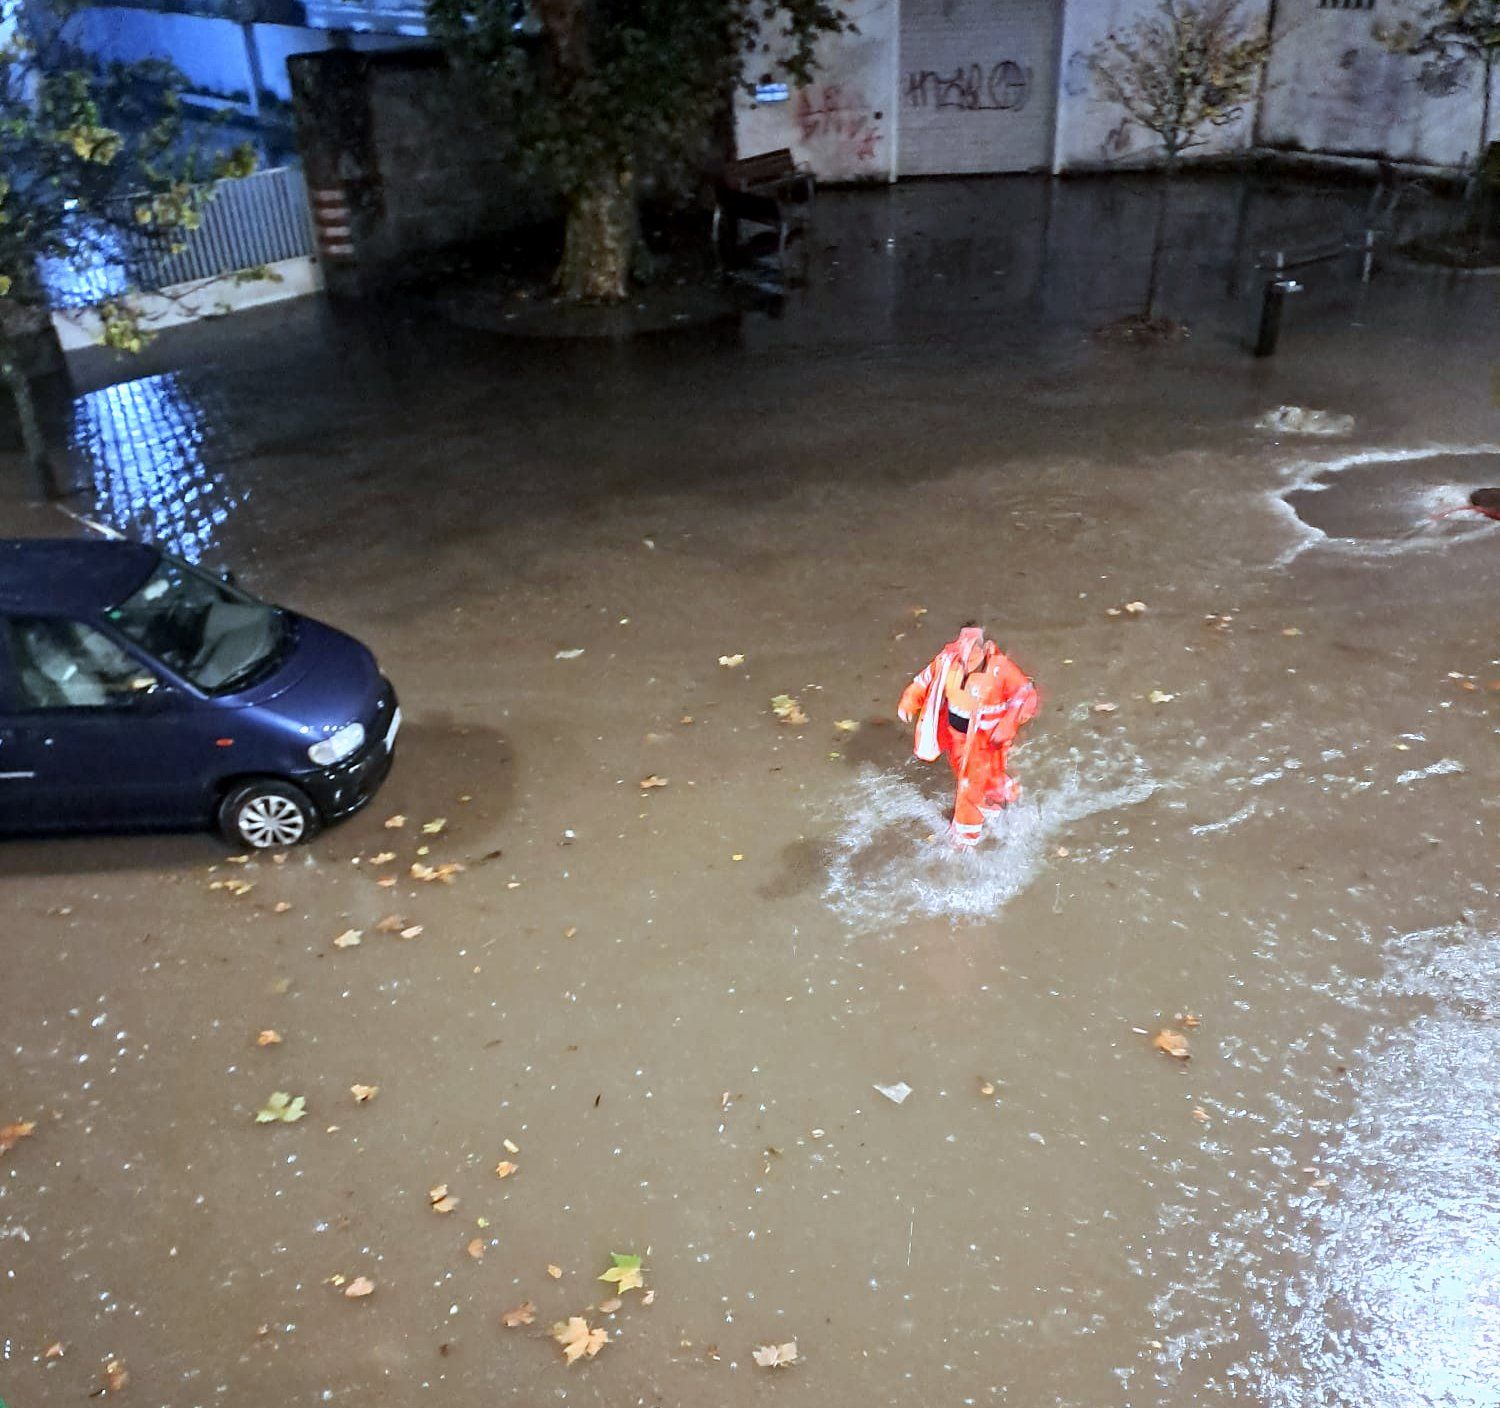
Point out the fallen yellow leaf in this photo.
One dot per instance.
(522, 1314)
(348, 939)
(395, 823)
(268, 1038)
(412, 931)
(476, 1248)
(776, 1356)
(440, 1199)
(647, 783)
(434, 827)
(555, 1272)
(13, 1134)
(383, 858)
(730, 661)
(577, 1340)
(846, 725)
(363, 1094)
(280, 907)
(359, 1286)
(505, 1168)
(1171, 1043)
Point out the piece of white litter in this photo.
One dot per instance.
(897, 1092)
(568, 654)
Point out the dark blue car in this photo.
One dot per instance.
(137, 691)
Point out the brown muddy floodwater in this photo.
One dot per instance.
(675, 1003)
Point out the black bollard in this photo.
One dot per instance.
(1270, 314)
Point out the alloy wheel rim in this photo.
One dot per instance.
(271, 821)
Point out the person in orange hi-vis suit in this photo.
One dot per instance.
(969, 703)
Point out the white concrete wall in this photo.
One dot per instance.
(1335, 88)
(843, 123)
(1093, 133)
(78, 328)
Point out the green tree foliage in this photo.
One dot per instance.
(83, 151)
(1181, 69)
(601, 94)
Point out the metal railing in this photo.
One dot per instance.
(243, 224)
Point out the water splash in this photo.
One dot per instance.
(892, 862)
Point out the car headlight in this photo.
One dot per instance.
(338, 746)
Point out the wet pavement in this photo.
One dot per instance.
(676, 1002)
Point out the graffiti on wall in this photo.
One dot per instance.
(839, 117)
(1002, 87)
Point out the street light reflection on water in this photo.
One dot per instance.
(145, 447)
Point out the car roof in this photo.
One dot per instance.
(70, 576)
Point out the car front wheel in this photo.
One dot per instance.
(265, 815)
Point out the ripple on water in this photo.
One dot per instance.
(891, 860)
(1382, 1289)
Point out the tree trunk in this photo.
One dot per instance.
(13, 374)
(599, 247)
(1159, 238)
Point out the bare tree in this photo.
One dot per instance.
(1186, 67)
(1454, 36)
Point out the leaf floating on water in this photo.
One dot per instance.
(349, 938)
(1159, 696)
(358, 1287)
(434, 827)
(412, 931)
(13, 1134)
(428, 873)
(608, 1307)
(986, 1087)
(647, 783)
(280, 907)
(1290, 631)
(54, 1351)
(846, 725)
(1188, 1019)
(395, 823)
(1171, 1043)
(896, 1093)
(1134, 608)
(391, 924)
(522, 1314)
(577, 1340)
(363, 1094)
(730, 662)
(476, 1248)
(268, 1038)
(1200, 1114)
(569, 654)
(625, 1273)
(555, 1272)
(383, 858)
(1105, 708)
(440, 1199)
(788, 710)
(511, 1147)
(116, 1376)
(776, 1356)
(280, 1106)
(505, 1168)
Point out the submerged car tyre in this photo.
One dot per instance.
(267, 815)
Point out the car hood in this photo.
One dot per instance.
(327, 680)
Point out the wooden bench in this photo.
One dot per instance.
(769, 190)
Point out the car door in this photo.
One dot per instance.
(103, 732)
(17, 765)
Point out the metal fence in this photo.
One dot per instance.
(244, 224)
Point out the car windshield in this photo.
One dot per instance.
(209, 632)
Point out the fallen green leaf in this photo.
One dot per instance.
(281, 1106)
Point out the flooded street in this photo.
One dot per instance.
(1262, 810)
